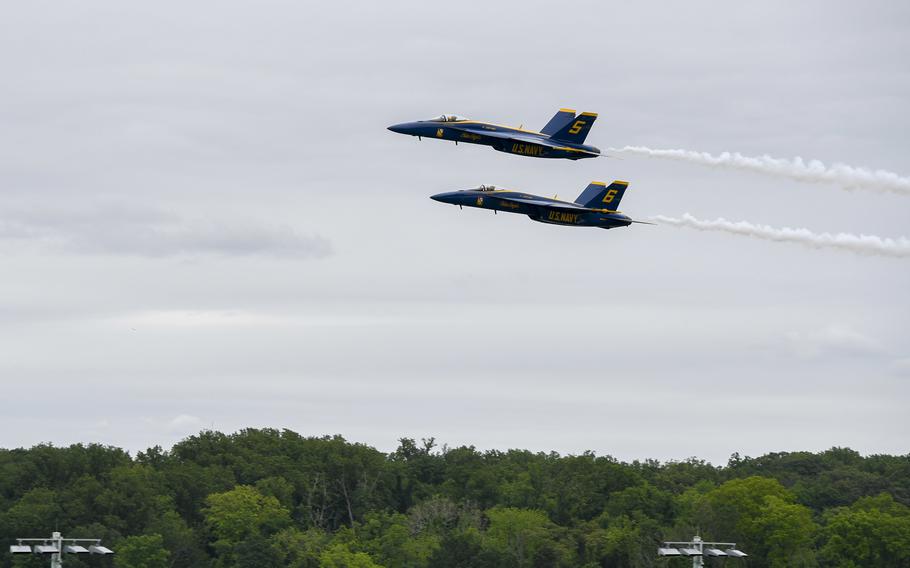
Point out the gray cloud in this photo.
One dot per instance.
(833, 340)
(120, 230)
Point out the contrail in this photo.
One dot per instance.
(797, 169)
(860, 244)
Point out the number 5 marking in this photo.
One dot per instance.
(576, 128)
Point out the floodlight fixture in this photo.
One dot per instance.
(98, 549)
(714, 552)
(697, 549)
(46, 549)
(57, 547)
(20, 549)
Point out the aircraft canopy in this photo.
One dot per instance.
(448, 118)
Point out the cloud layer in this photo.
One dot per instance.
(128, 231)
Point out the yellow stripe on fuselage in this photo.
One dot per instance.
(496, 125)
(567, 149)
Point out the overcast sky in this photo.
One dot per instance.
(204, 223)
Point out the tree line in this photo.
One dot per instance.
(263, 497)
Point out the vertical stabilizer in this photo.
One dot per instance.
(559, 120)
(599, 195)
(576, 130)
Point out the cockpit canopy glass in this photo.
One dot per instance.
(447, 118)
(486, 188)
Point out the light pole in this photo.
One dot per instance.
(697, 549)
(56, 546)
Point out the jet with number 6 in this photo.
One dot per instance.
(595, 207)
(562, 137)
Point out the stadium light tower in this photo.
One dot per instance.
(697, 549)
(56, 546)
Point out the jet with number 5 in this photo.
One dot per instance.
(595, 207)
(562, 137)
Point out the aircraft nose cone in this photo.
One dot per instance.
(447, 197)
(399, 128)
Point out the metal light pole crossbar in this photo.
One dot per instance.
(56, 546)
(697, 549)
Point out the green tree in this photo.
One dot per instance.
(35, 513)
(757, 513)
(340, 556)
(142, 551)
(519, 534)
(300, 549)
(644, 501)
(279, 488)
(874, 531)
(784, 534)
(182, 542)
(242, 514)
(729, 511)
(621, 542)
(389, 539)
(464, 549)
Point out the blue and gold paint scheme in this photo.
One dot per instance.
(595, 207)
(562, 137)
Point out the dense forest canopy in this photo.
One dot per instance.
(264, 498)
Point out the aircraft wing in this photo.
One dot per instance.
(540, 141)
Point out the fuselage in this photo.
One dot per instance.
(542, 209)
(503, 138)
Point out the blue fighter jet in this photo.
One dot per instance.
(562, 137)
(595, 207)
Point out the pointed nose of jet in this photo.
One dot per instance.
(403, 128)
(447, 197)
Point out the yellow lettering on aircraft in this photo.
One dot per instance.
(439, 133)
(608, 198)
(576, 128)
(470, 136)
(510, 205)
(528, 149)
(561, 217)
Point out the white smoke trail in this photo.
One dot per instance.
(860, 244)
(797, 169)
